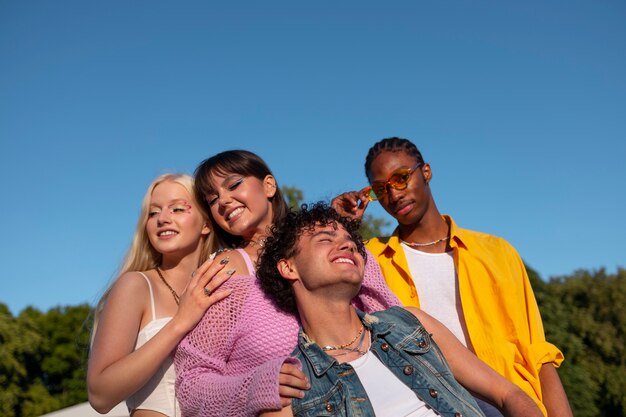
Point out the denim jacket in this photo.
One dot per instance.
(403, 345)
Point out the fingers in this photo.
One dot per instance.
(198, 273)
(346, 203)
(216, 281)
(208, 270)
(292, 381)
(214, 297)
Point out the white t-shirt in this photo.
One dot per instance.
(437, 285)
(389, 396)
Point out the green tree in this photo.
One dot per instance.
(42, 360)
(370, 226)
(19, 343)
(293, 196)
(584, 314)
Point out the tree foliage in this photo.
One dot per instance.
(585, 316)
(42, 360)
(370, 226)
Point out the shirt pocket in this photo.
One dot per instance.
(332, 403)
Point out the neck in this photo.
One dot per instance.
(179, 269)
(337, 325)
(430, 228)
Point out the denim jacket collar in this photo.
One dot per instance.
(321, 362)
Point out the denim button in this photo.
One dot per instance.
(384, 347)
(408, 370)
(458, 415)
(422, 344)
(329, 407)
(433, 392)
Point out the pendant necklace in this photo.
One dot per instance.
(174, 294)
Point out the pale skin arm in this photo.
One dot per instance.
(115, 370)
(477, 376)
(554, 397)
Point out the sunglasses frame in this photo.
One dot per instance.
(396, 185)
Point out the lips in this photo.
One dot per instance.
(403, 207)
(167, 233)
(233, 214)
(344, 260)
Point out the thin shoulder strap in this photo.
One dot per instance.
(151, 295)
(248, 261)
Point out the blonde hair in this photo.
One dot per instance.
(141, 256)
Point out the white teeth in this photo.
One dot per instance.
(235, 212)
(167, 233)
(344, 261)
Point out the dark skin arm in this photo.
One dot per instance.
(554, 397)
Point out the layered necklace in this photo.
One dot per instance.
(421, 245)
(359, 349)
(174, 293)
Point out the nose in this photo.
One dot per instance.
(163, 217)
(224, 199)
(348, 244)
(392, 194)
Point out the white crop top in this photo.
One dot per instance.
(158, 393)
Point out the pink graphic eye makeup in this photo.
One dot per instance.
(178, 207)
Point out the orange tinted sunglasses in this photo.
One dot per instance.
(398, 180)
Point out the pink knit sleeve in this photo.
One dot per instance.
(209, 380)
(375, 295)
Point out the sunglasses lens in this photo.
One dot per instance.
(371, 195)
(377, 192)
(400, 180)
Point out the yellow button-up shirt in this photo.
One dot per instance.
(501, 313)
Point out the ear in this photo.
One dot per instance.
(269, 186)
(427, 173)
(287, 270)
(206, 230)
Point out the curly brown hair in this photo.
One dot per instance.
(283, 244)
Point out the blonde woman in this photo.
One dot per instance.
(159, 296)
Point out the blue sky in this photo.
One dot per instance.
(520, 107)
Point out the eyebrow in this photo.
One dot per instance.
(230, 177)
(392, 173)
(325, 232)
(172, 202)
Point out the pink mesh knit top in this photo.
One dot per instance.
(229, 364)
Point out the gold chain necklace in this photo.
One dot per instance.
(421, 245)
(357, 349)
(340, 347)
(176, 296)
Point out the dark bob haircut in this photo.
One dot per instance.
(283, 244)
(233, 162)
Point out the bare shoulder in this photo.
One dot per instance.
(232, 260)
(429, 322)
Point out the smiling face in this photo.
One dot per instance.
(241, 205)
(325, 256)
(174, 224)
(407, 206)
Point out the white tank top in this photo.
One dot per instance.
(158, 393)
(389, 396)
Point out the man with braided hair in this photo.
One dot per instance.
(474, 283)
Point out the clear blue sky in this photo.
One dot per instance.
(520, 107)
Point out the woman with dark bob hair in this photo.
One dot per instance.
(236, 361)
